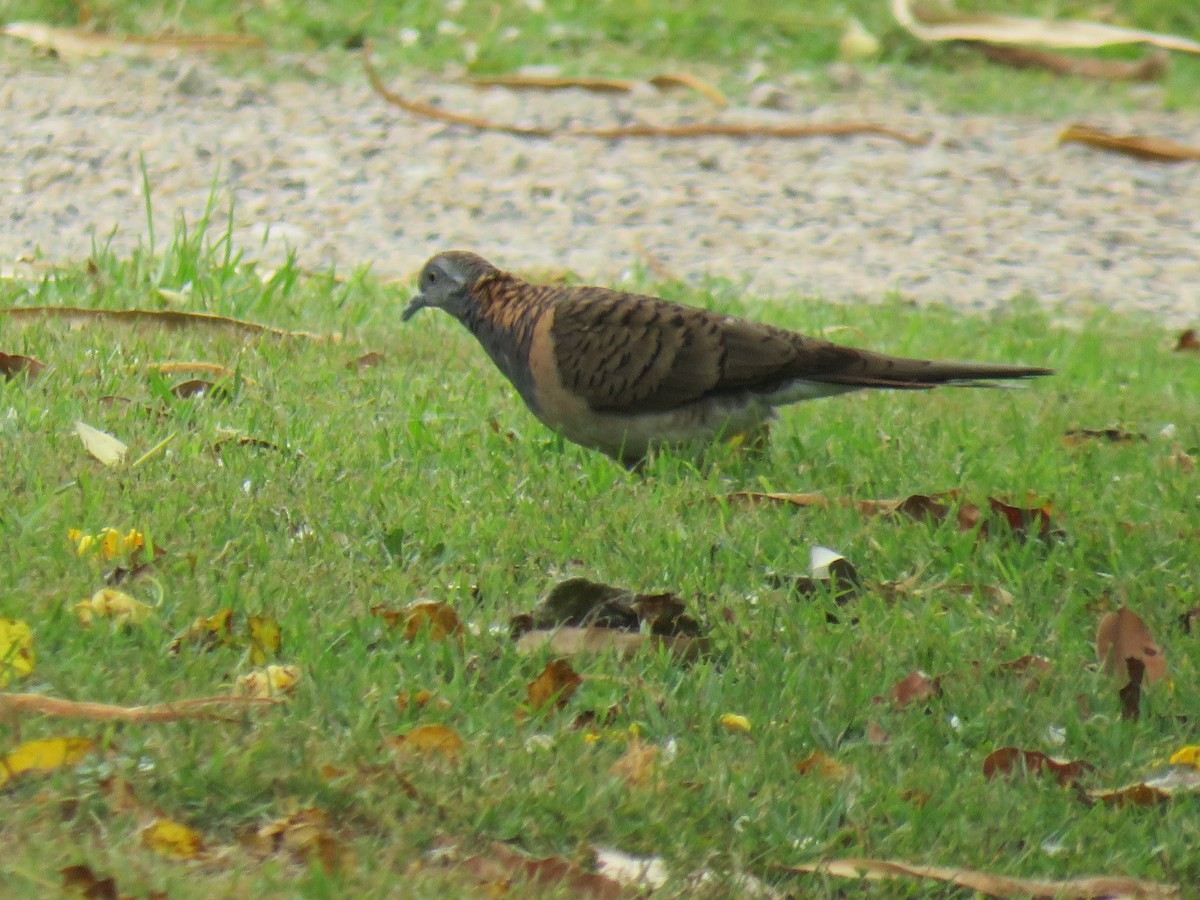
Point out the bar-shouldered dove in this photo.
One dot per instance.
(622, 373)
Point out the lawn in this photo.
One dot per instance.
(730, 43)
(421, 477)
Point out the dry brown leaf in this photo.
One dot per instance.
(1012, 760)
(368, 360)
(1154, 149)
(503, 866)
(826, 767)
(1122, 636)
(690, 130)
(569, 641)
(436, 619)
(668, 80)
(81, 881)
(1073, 437)
(1102, 886)
(943, 23)
(305, 834)
(557, 683)
(429, 740)
(1150, 67)
(12, 365)
(638, 765)
(1175, 781)
(72, 43)
(915, 687)
(1036, 522)
(205, 633)
(175, 711)
(166, 318)
(1188, 341)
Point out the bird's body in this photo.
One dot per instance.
(623, 373)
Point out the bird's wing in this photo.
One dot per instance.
(634, 354)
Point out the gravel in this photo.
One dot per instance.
(989, 210)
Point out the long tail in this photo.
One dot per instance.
(896, 372)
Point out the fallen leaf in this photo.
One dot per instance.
(579, 641)
(12, 365)
(1010, 761)
(1131, 694)
(1150, 67)
(438, 620)
(502, 867)
(826, 767)
(429, 740)
(1172, 782)
(944, 23)
(687, 130)
(206, 632)
(16, 650)
(1095, 888)
(80, 880)
(165, 318)
(1188, 341)
(1188, 621)
(856, 43)
(305, 834)
(637, 765)
(272, 681)
(266, 637)
(914, 688)
(644, 873)
(173, 711)
(74, 43)
(556, 684)
(215, 369)
(1075, 436)
(102, 445)
(169, 838)
(663, 82)
(109, 603)
(1186, 756)
(368, 360)
(735, 722)
(1037, 522)
(43, 756)
(200, 387)
(1154, 149)
(1122, 636)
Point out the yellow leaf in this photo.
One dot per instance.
(16, 650)
(101, 444)
(1186, 756)
(429, 740)
(271, 681)
(638, 764)
(109, 603)
(734, 722)
(43, 756)
(205, 632)
(172, 839)
(265, 639)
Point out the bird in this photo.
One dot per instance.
(626, 373)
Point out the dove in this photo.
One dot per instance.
(625, 373)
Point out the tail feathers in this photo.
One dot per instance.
(898, 373)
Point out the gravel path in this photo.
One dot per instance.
(990, 209)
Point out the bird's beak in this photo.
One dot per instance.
(418, 302)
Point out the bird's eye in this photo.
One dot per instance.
(431, 277)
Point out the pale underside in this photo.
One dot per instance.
(631, 436)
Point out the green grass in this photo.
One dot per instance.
(643, 37)
(424, 477)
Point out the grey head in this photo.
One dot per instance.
(446, 281)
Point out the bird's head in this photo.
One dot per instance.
(446, 281)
